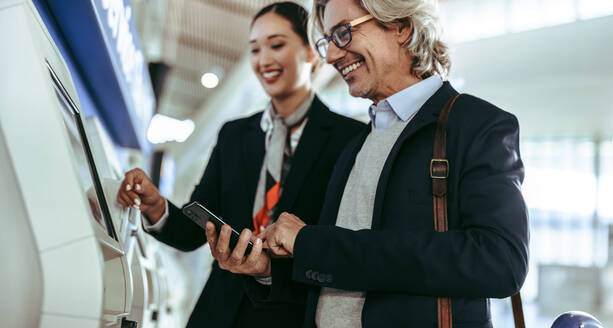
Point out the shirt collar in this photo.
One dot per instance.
(269, 114)
(405, 103)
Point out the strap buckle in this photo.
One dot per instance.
(439, 168)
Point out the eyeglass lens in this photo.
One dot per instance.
(341, 37)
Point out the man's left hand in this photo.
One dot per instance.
(279, 237)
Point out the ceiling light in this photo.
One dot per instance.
(163, 129)
(209, 80)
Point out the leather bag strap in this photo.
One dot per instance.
(518, 311)
(439, 172)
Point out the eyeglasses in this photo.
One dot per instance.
(341, 36)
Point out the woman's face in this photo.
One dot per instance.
(279, 58)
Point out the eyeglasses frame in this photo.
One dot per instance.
(349, 25)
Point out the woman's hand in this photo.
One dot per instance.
(256, 264)
(138, 191)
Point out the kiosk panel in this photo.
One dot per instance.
(82, 157)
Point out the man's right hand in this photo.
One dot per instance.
(138, 191)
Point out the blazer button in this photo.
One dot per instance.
(308, 274)
(321, 278)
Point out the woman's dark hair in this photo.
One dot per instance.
(293, 12)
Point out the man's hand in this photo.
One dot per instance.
(281, 235)
(256, 264)
(138, 191)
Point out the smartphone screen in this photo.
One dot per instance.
(200, 215)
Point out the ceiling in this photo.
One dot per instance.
(557, 80)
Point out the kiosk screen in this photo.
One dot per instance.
(82, 157)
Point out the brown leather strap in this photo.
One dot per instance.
(518, 311)
(439, 172)
(444, 312)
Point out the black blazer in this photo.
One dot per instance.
(402, 264)
(228, 188)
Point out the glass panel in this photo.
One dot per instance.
(605, 184)
(82, 158)
(80, 162)
(594, 8)
(561, 191)
(465, 20)
(560, 178)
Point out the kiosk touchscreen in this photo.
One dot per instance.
(82, 157)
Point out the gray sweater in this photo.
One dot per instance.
(340, 308)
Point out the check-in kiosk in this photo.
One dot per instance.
(71, 255)
(69, 267)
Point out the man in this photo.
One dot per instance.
(375, 259)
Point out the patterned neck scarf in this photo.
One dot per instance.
(278, 151)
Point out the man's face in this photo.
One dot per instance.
(370, 63)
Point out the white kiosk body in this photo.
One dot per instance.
(66, 263)
(71, 255)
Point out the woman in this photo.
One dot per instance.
(274, 161)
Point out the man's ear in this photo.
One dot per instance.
(403, 33)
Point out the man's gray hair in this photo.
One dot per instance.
(430, 54)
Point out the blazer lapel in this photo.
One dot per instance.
(253, 156)
(313, 139)
(427, 115)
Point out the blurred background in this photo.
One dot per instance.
(546, 61)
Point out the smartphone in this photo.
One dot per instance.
(200, 215)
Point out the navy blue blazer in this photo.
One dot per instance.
(402, 263)
(228, 188)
